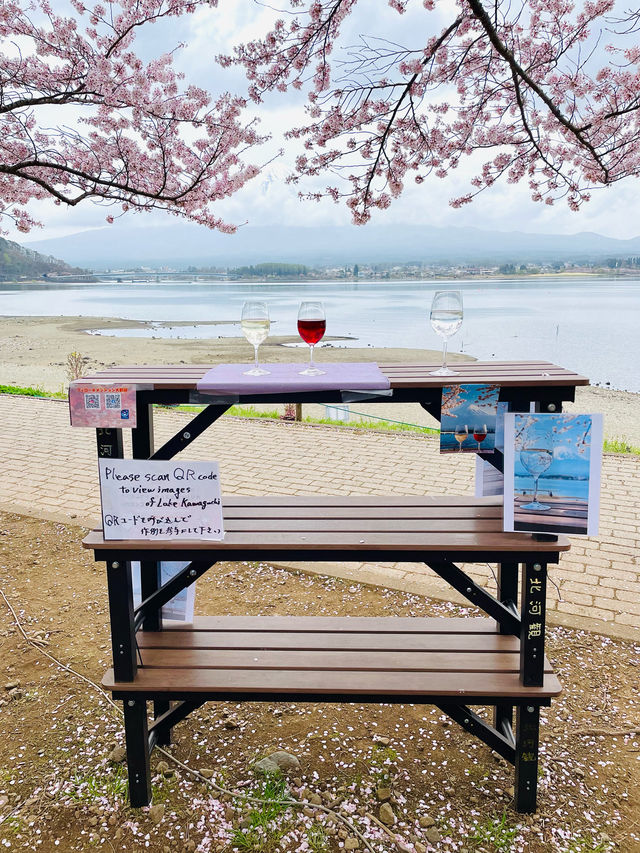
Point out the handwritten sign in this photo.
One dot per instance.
(97, 405)
(144, 499)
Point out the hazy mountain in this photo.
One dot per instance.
(181, 245)
(17, 261)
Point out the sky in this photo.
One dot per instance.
(269, 200)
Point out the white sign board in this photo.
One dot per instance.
(144, 499)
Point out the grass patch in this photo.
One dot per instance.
(26, 391)
(619, 445)
(497, 833)
(264, 823)
(112, 783)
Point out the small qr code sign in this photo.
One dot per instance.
(113, 401)
(92, 401)
(95, 405)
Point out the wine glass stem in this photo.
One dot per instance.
(311, 364)
(255, 354)
(444, 353)
(535, 489)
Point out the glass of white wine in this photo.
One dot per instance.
(255, 327)
(461, 434)
(446, 319)
(536, 457)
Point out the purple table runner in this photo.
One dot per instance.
(349, 376)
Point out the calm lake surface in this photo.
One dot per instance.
(589, 325)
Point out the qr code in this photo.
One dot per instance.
(113, 401)
(92, 401)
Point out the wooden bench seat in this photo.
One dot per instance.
(362, 528)
(349, 658)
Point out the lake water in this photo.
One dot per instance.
(589, 325)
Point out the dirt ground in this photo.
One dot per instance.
(63, 788)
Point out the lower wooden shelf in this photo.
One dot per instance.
(345, 659)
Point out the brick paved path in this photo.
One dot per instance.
(47, 468)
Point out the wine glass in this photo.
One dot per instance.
(536, 456)
(461, 433)
(480, 433)
(255, 327)
(446, 319)
(312, 325)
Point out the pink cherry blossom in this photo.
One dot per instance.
(143, 140)
(549, 90)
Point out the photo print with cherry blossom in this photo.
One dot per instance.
(552, 472)
(468, 418)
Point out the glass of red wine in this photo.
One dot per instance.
(311, 328)
(480, 433)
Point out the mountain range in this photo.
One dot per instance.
(181, 244)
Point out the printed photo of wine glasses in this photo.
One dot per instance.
(552, 472)
(468, 418)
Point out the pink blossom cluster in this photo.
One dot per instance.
(522, 82)
(131, 136)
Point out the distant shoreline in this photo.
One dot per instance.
(183, 278)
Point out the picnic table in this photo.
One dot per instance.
(454, 663)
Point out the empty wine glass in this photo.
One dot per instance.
(255, 327)
(461, 433)
(480, 433)
(312, 325)
(446, 319)
(536, 456)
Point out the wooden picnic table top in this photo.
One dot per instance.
(401, 376)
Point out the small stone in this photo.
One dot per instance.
(229, 813)
(266, 766)
(308, 811)
(162, 767)
(420, 848)
(117, 754)
(314, 798)
(156, 812)
(284, 760)
(386, 815)
(403, 847)
(426, 821)
(11, 685)
(383, 794)
(93, 821)
(433, 836)
(16, 693)
(206, 772)
(351, 843)
(112, 820)
(379, 740)
(297, 781)
(232, 723)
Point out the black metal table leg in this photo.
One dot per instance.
(142, 445)
(137, 739)
(123, 641)
(526, 764)
(507, 593)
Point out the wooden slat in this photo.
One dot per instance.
(328, 540)
(323, 660)
(278, 683)
(525, 374)
(340, 624)
(334, 641)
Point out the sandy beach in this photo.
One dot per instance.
(34, 350)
